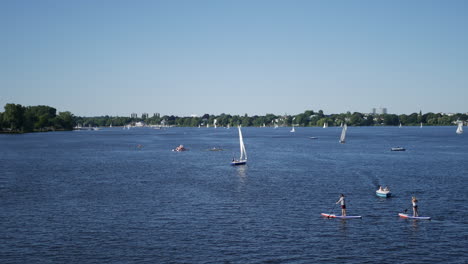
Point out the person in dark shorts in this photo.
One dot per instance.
(343, 204)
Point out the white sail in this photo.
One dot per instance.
(276, 125)
(421, 125)
(460, 128)
(343, 134)
(214, 123)
(292, 129)
(243, 153)
(399, 125)
(325, 125)
(228, 126)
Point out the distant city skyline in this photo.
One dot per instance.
(180, 58)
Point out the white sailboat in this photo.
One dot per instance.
(343, 134)
(276, 126)
(399, 125)
(243, 154)
(325, 125)
(214, 123)
(421, 125)
(292, 129)
(460, 128)
(229, 126)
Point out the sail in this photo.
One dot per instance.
(343, 134)
(243, 153)
(292, 129)
(399, 125)
(325, 125)
(460, 128)
(421, 125)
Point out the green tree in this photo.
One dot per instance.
(13, 116)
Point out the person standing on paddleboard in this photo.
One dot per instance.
(415, 206)
(343, 205)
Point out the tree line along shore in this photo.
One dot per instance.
(23, 119)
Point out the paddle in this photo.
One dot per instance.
(331, 211)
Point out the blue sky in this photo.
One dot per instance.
(194, 57)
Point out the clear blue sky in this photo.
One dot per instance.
(194, 57)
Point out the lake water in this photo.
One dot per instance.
(95, 197)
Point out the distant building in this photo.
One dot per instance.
(379, 111)
(144, 115)
(134, 115)
(139, 124)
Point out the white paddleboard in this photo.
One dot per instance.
(340, 216)
(413, 217)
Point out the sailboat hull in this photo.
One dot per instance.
(238, 162)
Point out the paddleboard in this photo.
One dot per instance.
(414, 217)
(340, 216)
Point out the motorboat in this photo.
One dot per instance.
(180, 148)
(385, 192)
(398, 149)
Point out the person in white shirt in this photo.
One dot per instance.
(343, 205)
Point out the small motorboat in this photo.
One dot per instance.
(180, 148)
(215, 149)
(385, 192)
(398, 149)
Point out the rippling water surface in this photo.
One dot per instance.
(95, 197)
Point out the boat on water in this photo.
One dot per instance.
(343, 134)
(341, 216)
(180, 148)
(313, 137)
(243, 154)
(383, 192)
(215, 149)
(407, 216)
(325, 125)
(397, 149)
(399, 125)
(460, 128)
(292, 129)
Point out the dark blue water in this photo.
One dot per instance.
(95, 197)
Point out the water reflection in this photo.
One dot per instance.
(414, 226)
(343, 227)
(241, 172)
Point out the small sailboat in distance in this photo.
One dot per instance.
(325, 125)
(243, 154)
(460, 128)
(343, 134)
(421, 125)
(292, 129)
